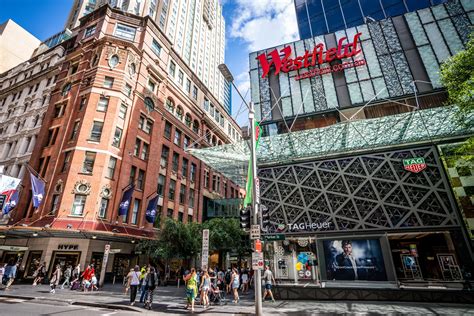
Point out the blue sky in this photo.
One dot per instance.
(250, 25)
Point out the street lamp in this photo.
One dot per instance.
(253, 160)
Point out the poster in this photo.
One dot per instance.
(356, 259)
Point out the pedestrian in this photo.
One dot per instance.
(143, 271)
(235, 284)
(191, 288)
(228, 276)
(2, 272)
(55, 277)
(151, 282)
(67, 277)
(220, 280)
(134, 276)
(40, 274)
(245, 281)
(76, 273)
(10, 273)
(127, 280)
(143, 284)
(268, 278)
(87, 276)
(93, 285)
(204, 288)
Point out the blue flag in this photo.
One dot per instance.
(12, 202)
(151, 210)
(126, 201)
(37, 186)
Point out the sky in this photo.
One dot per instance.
(251, 25)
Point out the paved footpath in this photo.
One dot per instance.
(170, 300)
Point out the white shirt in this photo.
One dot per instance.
(135, 278)
(245, 278)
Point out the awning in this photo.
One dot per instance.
(417, 127)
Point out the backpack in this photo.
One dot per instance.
(227, 277)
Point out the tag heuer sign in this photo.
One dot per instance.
(415, 165)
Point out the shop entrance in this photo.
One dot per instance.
(16, 256)
(32, 263)
(64, 259)
(427, 256)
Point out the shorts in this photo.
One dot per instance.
(268, 286)
(235, 286)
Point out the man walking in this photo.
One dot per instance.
(67, 277)
(10, 273)
(268, 278)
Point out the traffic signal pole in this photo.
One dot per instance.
(253, 161)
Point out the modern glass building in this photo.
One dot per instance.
(316, 17)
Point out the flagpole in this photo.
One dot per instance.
(30, 168)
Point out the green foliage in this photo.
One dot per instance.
(224, 234)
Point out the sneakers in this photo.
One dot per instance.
(52, 291)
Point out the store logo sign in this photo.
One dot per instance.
(308, 226)
(414, 165)
(310, 59)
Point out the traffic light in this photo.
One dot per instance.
(245, 216)
(265, 217)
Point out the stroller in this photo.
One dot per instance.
(216, 296)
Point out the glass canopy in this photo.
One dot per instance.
(349, 137)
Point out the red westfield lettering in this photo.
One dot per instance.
(310, 59)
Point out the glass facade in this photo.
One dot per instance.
(318, 17)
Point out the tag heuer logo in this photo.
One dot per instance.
(414, 164)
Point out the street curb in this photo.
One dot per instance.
(71, 302)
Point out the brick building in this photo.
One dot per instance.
(124, 109)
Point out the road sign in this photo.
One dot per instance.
(258, 245)
(257, 260)
(205, 249)
(257, 190)
(255, 232)
(104, 264)
(274, 237)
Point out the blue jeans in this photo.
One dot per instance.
(142, 296)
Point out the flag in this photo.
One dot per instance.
(249, 186)
(37, 186)
(8, 187)
(12, 202)
(126, 200)
(151, 210)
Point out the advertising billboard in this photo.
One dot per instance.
(353, 260)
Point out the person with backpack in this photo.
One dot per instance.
(67, 277)
(151, 282)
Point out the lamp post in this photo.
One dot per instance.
(253, 160)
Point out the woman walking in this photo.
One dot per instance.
(191, 288)
(204, 289)
(55, 277)
(142, 285)
(39, 274)
(134, 277)
(151, 282)
(67, 277)
(235, 281)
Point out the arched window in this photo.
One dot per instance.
(196, 127)
(179, 113)
(150, 106)
(170, 105)
(66, 89)
(208, 136)
(188, 120)
(214, 140)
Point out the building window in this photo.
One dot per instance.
(191, 198)
(83, 103)
(108, 82)
(196, 127)
(117, 137)
(136, 208)
(90, 31)
(206, 178)
(88, 164)
(190, 218)
(175, 162)
(78, 205)
(177, 137)
(192, 173)
(133, 172)
(75, 130)
(182, 194)
(151, 87)
(165, 151)
(179, 113)
(167, 133)
(170, 212)
(67, 160)
(54, 204)
(155, 47)
(180, 216)
(104, 203)
(145, 124)
(128, 90)
(136, 149)
(140, 179)
(195, 92)
(206, 105)
(103, 104)
(172, 189)
(123, 111)
(184, 168)
(161, 185)
(114, 61)
(180, 78)
(188, 120)
(149, 105)
(170, 105)
(172, 71)
(57, 110)
(214, 182)
(132, 69)
(111, 167)
(145, 150)
(125, 32)
(188, 86)
(96, 131)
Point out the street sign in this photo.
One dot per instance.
(104, 264)
(257, 190)
(205, 249)
(255, 232)
(274, 237)
(257, 260)
(114, 250)
(258, 245)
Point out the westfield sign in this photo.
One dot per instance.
(318, 56)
